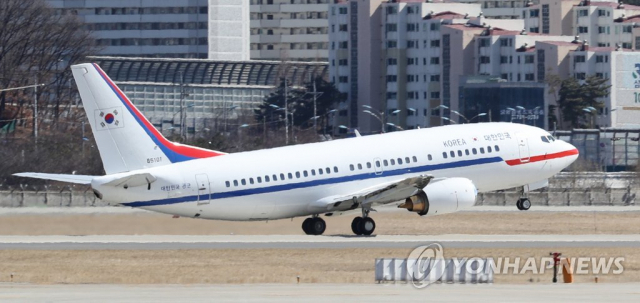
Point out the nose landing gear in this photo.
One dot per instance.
(523, 204)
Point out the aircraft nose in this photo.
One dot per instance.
(572, 151)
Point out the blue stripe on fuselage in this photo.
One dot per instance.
(312, 183)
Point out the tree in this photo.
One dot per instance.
(37, 42)
(554, 82)
(300, 103)
(575, 97)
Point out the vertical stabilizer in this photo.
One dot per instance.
(126, 139)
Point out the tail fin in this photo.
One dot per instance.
(126, 139)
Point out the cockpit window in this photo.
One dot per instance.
(551, 138)
(544, 139)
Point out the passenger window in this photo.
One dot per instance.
(368, 164)
(544, 139)
(459, 153)
(415, 159)
(482, 150)
(488, 149)
(328, 170)
(406, 159)
(351, 167)
(259, 179)
(429, 157)
(235, 182)
(466, 152)
(497, 148)
(244, 182)
(290, 175)
(305, 173)
(359, 166)
(227, 183)
(298, 174)
(266, 179)
(453, 154)
(475, 151)
(385, 162)
(377, 163)
(313, 172)
(281, 177)
(335, 169)
(251, 180)
(320, 171)
(393, 162)
(399, 161)
(275, 178)
(444, 155)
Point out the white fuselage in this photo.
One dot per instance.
(242, 186)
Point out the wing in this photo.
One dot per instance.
(77, 179)
(379, 194)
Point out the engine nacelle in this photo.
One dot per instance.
(443, 197)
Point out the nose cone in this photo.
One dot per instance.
(572, 153)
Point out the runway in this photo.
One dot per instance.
(620, 292)
(164, 242)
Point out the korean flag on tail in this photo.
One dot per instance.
(109, 118)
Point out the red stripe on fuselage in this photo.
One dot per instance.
(184, 150)
(544, 157)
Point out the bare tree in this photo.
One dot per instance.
(38, 42)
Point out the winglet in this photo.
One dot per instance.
(357, 133)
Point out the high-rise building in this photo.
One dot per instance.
(170, 29)
(393, 61)
(289, 30)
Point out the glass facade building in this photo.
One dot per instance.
(213, 93)
(517, 102)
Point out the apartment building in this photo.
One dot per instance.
(168, 29)
(553, 17)
(386, 55)
(511, 55)
(289, 30)
(501, 9)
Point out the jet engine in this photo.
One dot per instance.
(442, 197)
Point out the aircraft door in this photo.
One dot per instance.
(523, 148)
(377, 166)
(204, 189)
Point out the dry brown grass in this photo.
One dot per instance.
(387, 224)
(255, 266)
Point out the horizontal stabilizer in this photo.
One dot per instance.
(76, 179)
(132, 180)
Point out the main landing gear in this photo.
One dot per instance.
(363, 225)
(314, 226)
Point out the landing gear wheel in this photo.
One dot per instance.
(519, 204)
(355, 225)
(525, 204)
(367, 226)
(317, 226)
(306, 225)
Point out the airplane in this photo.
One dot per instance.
(430, 171)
